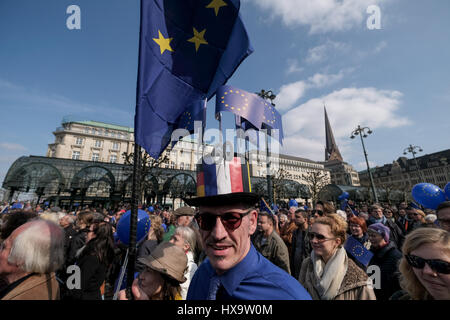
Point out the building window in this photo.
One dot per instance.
(113, 158)
(95, 156)
(113, 134)
(76, 155)
(119, 135)
(116, 146)
(182, 166)
(79, 141)
(98, 143)
(172, 165)
(86, 130)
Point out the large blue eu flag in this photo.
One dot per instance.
(187, 49)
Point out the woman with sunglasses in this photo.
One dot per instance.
(328, 274)
(425, 266)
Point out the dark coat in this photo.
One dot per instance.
(144, 251)
(301, 249)
(387, 258)
(76, 243)
(93, 274)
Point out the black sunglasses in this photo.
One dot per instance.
(320, 237)
(230, 220)
(319, 212)
(435, 264)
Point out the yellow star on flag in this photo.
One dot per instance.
(216, 4)
(164, 44)
(198, 38)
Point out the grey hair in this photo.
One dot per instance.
(70, 218)
(39, 247)
(283, 217)
(188, 236)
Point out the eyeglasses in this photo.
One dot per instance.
(435, 264)
(319, 237)
(230, 220)
(319, 212)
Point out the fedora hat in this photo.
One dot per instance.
(225, 182)
(167, 259)
(184, 211)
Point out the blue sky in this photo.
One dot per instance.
(396, 80)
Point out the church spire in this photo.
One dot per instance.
(331, 149)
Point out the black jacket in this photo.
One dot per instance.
(387, 259)
(93, 274)
(76, 243)
(144, 251)
(301, 249)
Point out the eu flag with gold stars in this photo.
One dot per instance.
(187, 49)
(253, 109)
(358, 251)
(240, 102)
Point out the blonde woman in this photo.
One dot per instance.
(154, 238)
(425, 266)
(328, 274)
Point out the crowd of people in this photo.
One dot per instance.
(229, 248)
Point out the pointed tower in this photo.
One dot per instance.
(331, 149)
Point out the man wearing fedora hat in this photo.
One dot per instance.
(234, 269)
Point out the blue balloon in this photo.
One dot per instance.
(428, 195)
(123, 227)
(344, 195)
(447, 191)
(17, 205)
(293, 203)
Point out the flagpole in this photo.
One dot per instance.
(135, 195)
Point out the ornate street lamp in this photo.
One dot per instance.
(361, 131)
(268, 95)
(412, 149)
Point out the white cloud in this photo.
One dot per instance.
(322, 52)
(320, 80)
(304, 125)
(290, 93)
(319, 15)
(12, 146)
(293, 66)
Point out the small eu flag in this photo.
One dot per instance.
(357, 250)
(254, 110)
(187, 49)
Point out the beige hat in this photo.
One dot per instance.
(168, 259)
(184, 211)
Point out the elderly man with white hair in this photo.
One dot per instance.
(28, 259)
